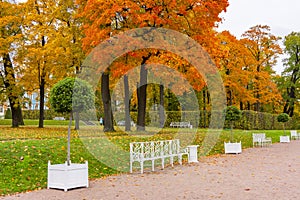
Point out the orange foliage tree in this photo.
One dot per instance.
(235, 77)
(264, 49)
(196, 19)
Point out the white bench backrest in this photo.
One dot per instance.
(180, 123)
(153, 149)
(293, 133)
(258, 137)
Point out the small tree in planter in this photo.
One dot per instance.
(283, 117)
(68, 96)
(232, 114)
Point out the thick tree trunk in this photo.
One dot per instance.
(127, 104)
(142, 97)
(11, 90)
(241, 106)
(108, 116)
(290, 101)
(161, 106)
(42, 102)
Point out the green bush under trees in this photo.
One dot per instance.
(8, 114)
(250, 120)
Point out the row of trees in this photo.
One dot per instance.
(43, 41)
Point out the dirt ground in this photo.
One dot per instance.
(258, 173)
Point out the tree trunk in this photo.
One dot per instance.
(290, 101)
(42, 79)
(42, 102)
(127, 104)
(76, 120)
(241, 106)
(161, 107)
(229, 97)
(142, 97)
(11, 91)
(69, 140)
(204, 107)
(108, 116)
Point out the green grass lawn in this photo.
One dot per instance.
(29, 122)
(25, 151)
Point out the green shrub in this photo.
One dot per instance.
(283, 117)
(8, 114)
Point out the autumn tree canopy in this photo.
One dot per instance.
(51, 49)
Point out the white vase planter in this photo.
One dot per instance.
(235, 147)
(64, 176)
(285, 139)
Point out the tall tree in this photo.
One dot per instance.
(291, 73)
(10, 35)
(264, 49)
(233, 61)
(52, 47)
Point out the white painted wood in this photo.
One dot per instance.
(235, 147)
(181, 125)
(193, 155)
(260, 139)
(295, 135)
(155, 150)
(285, 139)
(64, 176)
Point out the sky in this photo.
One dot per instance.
(282, 17)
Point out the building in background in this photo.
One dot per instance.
(32, 102)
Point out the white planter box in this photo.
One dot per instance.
(63, 176)
(193, 156)
(235, 147)
(284, 139)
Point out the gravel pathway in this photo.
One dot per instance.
(258, 173)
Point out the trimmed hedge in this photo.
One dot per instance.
(48, 114)
(250, 120)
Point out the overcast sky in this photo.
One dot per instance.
(282, 16)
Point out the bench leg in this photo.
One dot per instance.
(130, 167)
(171, 161)
(142, 167)
(180, 159)
(162, 163)
(153, 165)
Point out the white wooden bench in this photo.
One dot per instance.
(260, 139)
(156, 150)
(58, 118)
(295, 135)
(181, 125)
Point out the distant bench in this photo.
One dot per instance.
(181, 125)
(58, 118)
(155, 150)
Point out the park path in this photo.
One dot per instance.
(258, 173)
